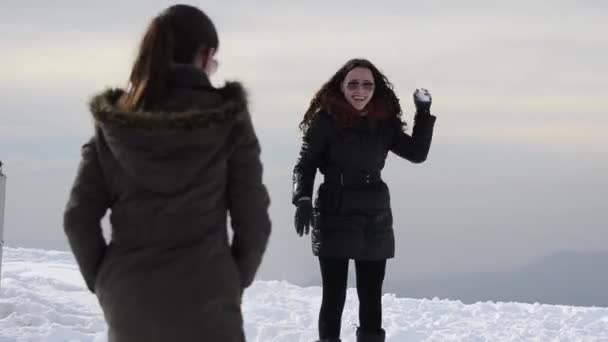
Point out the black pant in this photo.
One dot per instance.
(370, 275)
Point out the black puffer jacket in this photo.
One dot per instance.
(353, 217)
(170, 177)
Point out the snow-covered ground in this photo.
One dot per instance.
(43, 298)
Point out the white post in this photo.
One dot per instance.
(2, 197)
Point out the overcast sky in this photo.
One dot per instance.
(517, 169)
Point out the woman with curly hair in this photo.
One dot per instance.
(352, 123)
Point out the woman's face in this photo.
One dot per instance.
(358, 87)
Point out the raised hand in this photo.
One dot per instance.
(423, 100)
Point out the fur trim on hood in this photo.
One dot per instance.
(188, 109)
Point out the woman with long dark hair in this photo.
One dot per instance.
(352, 123)
(171, 157)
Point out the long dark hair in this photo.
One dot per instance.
(383, 104)
(174, 36)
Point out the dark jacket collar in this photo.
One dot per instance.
(188, 76)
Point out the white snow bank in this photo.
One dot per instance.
(43, 298)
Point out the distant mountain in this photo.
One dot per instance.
(567, 278)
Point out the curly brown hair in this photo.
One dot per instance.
(384, 103)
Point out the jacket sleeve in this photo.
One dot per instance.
(414, 148)
(87, 204)
(313, 144)
(248, 202)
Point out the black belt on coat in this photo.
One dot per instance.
(353, 178)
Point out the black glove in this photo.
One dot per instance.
(303, 218)
(423, 100)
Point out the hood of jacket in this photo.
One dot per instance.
(165, 149)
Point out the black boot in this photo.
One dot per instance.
(370, 336)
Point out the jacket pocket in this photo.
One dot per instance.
(328, 198)
(367, 199)
(339, 223)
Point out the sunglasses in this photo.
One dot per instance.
(365, 85)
